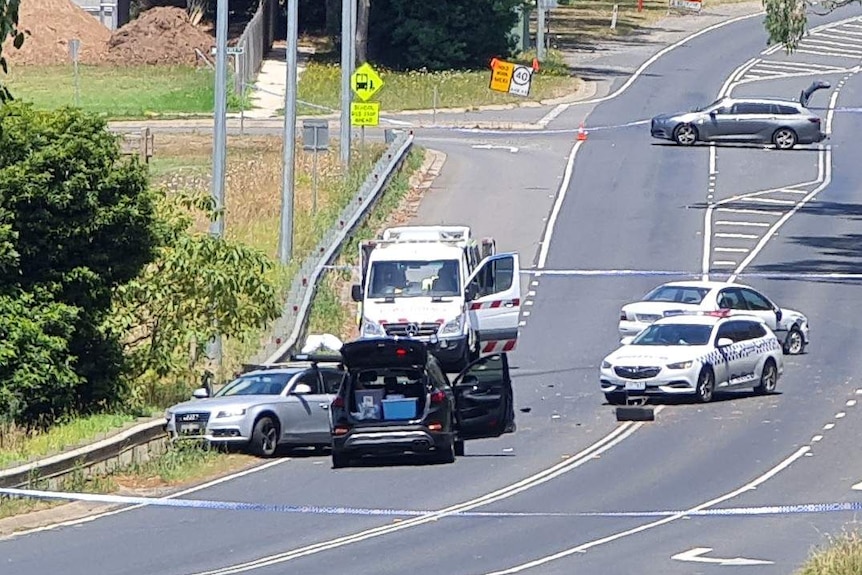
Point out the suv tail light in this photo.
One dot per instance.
(338, 402)
(438, 397)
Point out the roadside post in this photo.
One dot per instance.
(74, 49)
(365, 83)
(315, 138)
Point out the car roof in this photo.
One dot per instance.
(766, 100)
(704, 319)
(702, 284)
(416, 251)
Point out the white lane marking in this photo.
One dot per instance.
(789, 191)
(857, 487)
(841, 32)
(825, 165)
(816, 438)
(610, 538)
(850, 46)
(812, 32)
(552, 115)
(840, 415)
(522, 323)
(859, 392)
(606, 443)
(762, 200)
(725, 88)
(207, 485)
(736, 236)
(795, 66)
(850, 402)
(696, 555)
(828, 426)
(743, 224)
(749, 211)
(724, 263)
(825, 47)
(558, 204)
(732, 250)
(512, 149)
(830, 54)
(712, 170)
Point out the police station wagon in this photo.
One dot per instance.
(694, 354)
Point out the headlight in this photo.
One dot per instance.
(453, 327)
(372, 328)
(230, 413)
(680, 365)
(606, 365)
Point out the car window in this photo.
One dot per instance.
(332, 379)
(735, 330)
(784, 110)
(751, 108)
(495, 277)
(674, 334)
(259, 384)
(755, 301)
(755, 330)
(489, 369)
(677, 294)
(730, 299)
(311, 379)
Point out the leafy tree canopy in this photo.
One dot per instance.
(8, 28)
(787, 20)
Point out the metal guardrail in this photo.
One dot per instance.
(129, 446)
(138, 443)
(304, 285)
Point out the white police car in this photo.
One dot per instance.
(694, 353)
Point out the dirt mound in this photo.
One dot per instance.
(51, 24)
(162, 35)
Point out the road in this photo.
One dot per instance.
(523, 502)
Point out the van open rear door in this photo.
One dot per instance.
(494, 302)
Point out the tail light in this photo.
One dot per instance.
(340, 430)
(436, 426)
(338, 402)
(438, 397)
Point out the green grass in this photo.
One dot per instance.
(843, 556)
(120, 92)
(16, 445)
(330, 311)
(320, 84)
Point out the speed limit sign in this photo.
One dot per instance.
(521, 78)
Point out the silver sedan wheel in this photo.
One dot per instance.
(794, 343)
(784, 139)
(768, 378)
(685, 135)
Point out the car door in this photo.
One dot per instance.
(483, 398)
(306, 418)
(730, 298)
(760, 306)
(740, 356)
(493, 292)
(717, 124)
(751, 119)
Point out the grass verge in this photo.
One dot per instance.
(121, 92)
(843, 556)
(332, 311)
(180, 466)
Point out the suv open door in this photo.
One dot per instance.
(483, 398)
(493, 291)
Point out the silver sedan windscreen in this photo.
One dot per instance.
(674, 334)
(264, 384)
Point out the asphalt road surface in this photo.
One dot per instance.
(573, 490)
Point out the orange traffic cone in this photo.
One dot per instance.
(582, 133)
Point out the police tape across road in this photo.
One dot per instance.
(852, 506)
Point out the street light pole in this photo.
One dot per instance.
(346, 68)
(540, 31)
(219, 147)
(285, 249)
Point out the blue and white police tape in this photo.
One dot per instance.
(343, 510)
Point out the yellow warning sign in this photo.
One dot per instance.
(364, 113)
(501, 75)
(365, 82)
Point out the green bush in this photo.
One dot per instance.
(843, 556)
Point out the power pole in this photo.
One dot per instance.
(540, 31)
(219, 146)
(346, 69)
(285, 248)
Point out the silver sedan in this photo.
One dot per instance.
(262, 409)
(782, 123)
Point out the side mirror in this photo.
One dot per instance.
(356, 292)
(778, 314)
(301, 389)
(724, 342)
(471, 292)
(627, 340)
(201, 393)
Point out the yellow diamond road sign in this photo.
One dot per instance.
(364, 113)
(365, 82)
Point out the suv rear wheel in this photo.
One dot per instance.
(445, 453)
(339, 459)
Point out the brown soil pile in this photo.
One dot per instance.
(161, 35)
(51, 23)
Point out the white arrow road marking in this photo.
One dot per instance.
(695, 556)
(857, 487)
(512, 149)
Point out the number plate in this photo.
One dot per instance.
(190, 428)
(635, 385)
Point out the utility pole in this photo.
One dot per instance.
(219, 147)
(540, 30)
(285, 248)
(346, 69)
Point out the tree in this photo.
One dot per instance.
(79, 222)
(786, 20)
(198, 286)
(8, 29)
(440, 35)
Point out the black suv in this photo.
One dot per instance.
(396, 399)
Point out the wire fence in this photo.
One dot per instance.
(255, 42)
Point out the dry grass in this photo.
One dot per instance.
(843, 556)
(253, 196)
